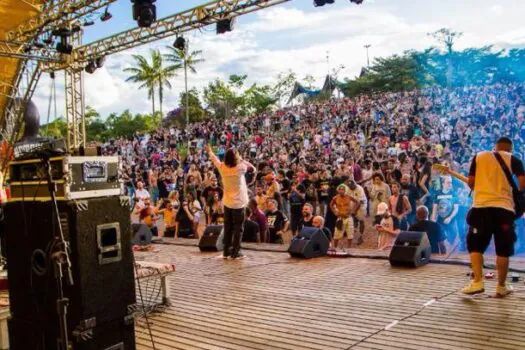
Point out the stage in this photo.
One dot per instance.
(270, 301)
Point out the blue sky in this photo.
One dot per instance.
(295, 35)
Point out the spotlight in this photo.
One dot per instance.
(225, 25)
(91, 67)
(357, 2)
(106, 16)
(180, 43)
(63, 46)
(318, 3)
(88, 23)
(99, 61)
(49, 40)
(144, 12)
(38, 45)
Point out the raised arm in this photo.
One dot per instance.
(212, 156)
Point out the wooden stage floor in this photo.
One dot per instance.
(271, 301)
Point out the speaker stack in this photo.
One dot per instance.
(98, 231)
(311, 242)
(411, 249)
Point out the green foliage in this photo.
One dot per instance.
(56, 128)
(284, 85)
(196, 112)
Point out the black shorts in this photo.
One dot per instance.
(486, 222)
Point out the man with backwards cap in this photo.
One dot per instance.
(492, 213)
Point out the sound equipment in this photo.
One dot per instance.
(98, 231)
(311, 242)
(141, 234)
(75, 178)
(410, 249)
(212, 239)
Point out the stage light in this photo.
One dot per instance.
(318, 3)
(225, 25)
(91, 67)
(357, 2)
(63, 46)
(179, 43)
(99, 61)
(106, 16)
(88, 23)
(38, 45)
(144, 12)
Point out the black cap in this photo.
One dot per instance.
(504, 140)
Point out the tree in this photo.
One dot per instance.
(222, 98)
(56, 128)
(193, 105)
(163, 74)
(144, 74)
(258, 98)
(309, 81)
(182, 58)
(284, 85)
(446, 37)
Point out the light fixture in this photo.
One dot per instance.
(144, 12)
(179, 43)
(357, 2)
(106, 16)
(99, 61)
(91, 67)
(225, 25)
(88, 23)
(318, 3)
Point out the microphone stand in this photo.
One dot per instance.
(62, 262)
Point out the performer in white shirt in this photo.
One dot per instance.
(235, 198)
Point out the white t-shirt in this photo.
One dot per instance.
(142, 194)
(234, 184)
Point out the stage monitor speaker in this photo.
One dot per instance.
(141, 234)
(98, 231)
(411, 249)
(212, 239)
(311, 242)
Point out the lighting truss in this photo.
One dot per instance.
(55, 16)
(194, 18)
(25, 51)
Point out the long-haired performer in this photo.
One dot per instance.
(235, 198)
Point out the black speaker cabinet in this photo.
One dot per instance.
(311, 242)
(98, 231)
(212, 239)
(411, 249)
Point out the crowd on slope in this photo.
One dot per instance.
(340, 161)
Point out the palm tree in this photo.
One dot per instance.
(181, 58)
(162, 75)
(144, 74)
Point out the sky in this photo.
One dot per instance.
(294, 35)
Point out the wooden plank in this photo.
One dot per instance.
(271, 302)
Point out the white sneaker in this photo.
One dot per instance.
(474, 288)
(503, 291)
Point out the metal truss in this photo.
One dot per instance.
(17, 95)
(74, 85)
(54, 16)
(194, 18)
(26, 51)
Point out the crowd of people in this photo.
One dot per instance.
(349, 165)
